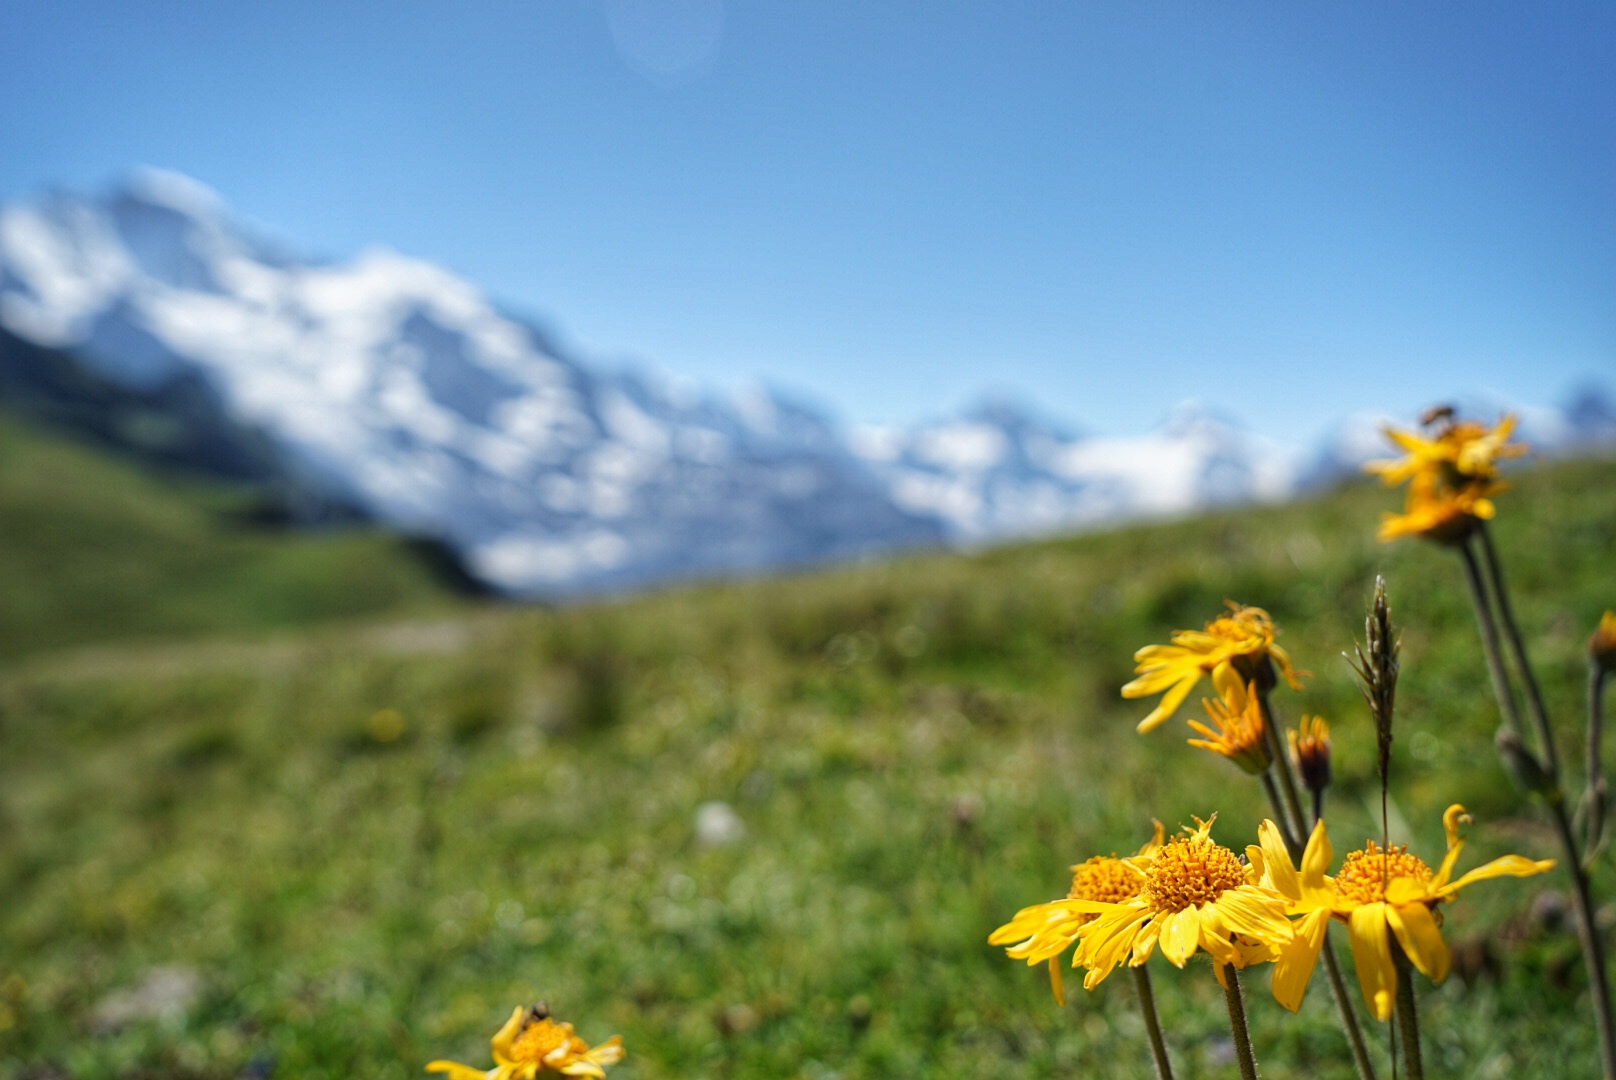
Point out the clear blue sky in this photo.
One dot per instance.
(1286, 210)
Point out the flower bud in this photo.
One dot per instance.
(1310, 747)
(1602, 646)
(1522, 764)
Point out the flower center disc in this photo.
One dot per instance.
(1105, 879)
(1192, 870)
(1364, 873)
(539, 1038)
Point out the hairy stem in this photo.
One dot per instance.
(1595, 793)
(1147, 1005)
(1512, 634)
(1593, 946)
(1295, 823)
(1349, 1016)
(1489, 641)
(1593, 949)
(1237, 1022)
(1408, 1020)
(1338, 988)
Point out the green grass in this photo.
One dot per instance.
(95, 549)
(917, 748)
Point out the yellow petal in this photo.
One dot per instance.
(1294, 968)
(1180, 933)
(1372, 957)
(1277, 865)
(1316, 858)
(1055, 985)
(1252, 912)
(1229, 686)
(456, 1071)
(609, 1052)
(507, 1035)
(1417, 933)
(1507, 866)
(1170, 702)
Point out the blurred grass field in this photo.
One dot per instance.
(357, 832)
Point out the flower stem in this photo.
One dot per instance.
(1338, 987)
(1489, 640)
(1237, 1022)
(1349, 1017)
(1296, 824)
(1593, 949)
(1408, 1020)
(1595, 794)
(1147, 1005)
(1512, 634)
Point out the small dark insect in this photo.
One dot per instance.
(1436, 413)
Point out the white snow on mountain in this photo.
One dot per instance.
(999, 472)
(395, 386)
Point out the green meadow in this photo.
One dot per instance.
(283, 804)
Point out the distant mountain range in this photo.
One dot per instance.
(388, 388)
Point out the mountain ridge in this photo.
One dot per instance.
(387, 386)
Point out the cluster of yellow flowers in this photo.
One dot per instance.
(1192, 893)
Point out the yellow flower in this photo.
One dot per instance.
(1044, 931)
(531, 1046)
(1450, 477)
(1462, 450)
(1602, 646)
(1232, 649)
(1196, 895)
(1445, 515)
(1373, 891)
(1242, 734)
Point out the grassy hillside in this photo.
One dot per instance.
(96, 549)
(362, 857)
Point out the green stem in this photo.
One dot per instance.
(1512, 634)
(1338, 987)
(1408, 1020)
(1147, 1005)
(1349, 1016)
(1237, 1022)
(1489, 641)
(1593, 948)
(1282, 763)
(1596, 766)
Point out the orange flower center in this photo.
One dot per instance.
(1191, 870)
(1364, 874)
(540, 1038)
(1105, 879)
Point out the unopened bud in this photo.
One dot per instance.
(1310, 746)
(1522, 764)
(1602, 646)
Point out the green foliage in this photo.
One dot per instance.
(94, 549)
(372, 847)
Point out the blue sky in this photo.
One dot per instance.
(1287, 211)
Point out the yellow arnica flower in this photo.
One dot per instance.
(1461, 450)
(1232, 649)
(532, 1046)
(1042, 932)
(1196, 895)
(1242, 734)
(1450, 476)
(1445, 515)
(1373, 891)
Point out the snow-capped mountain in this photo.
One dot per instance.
(998, 472)
(389, 386)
